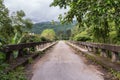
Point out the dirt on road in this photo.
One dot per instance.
(63, 64)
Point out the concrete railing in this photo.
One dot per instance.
(9, 49)
(105, 50)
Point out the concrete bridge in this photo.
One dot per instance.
(65, 60)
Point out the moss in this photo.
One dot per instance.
(115, 73)
(30, 60)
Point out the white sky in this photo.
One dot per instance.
(37, 10)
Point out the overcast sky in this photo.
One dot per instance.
(37, 10)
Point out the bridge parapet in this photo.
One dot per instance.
(20, 48)
(105, 50)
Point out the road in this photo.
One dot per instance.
(63, 64)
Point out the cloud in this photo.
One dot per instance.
(37, 10)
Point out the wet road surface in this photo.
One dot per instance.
(63, 64)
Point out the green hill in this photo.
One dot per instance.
(62, 30)
(57, 27)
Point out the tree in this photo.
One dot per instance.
(12, 27)
(6, 29)
(49, 34)
(96, 13)
(20, 25)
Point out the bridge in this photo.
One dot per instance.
(64, 60)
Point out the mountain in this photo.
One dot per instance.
(57, 27)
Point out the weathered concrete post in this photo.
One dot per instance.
(37, 48)
(90, 49)
(80, 45)
(86, 47)
(40, 46)
(103, 53)
(28, 50)
(20, 53)
(95, 50)
(9, 56)
(115, 57)
(43, 45)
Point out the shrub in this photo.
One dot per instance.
(82, 37)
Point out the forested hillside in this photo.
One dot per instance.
(39, 27)
(60, 29)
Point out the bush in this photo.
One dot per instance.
(2, 57)
(44, 39)
(48, 34)
(30, 38)
(18, 74)
(82, 37)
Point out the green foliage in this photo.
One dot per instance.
(62, 30)
(19, 24)
(43, 39)
(113, 36)
(30, 37)
(96, 13)
(82, 37)
(49, 34)
(30, 60)
(57, 27)
(12, 27)
(6, 29)
(18, 74)
(115, 73)
(2, 57)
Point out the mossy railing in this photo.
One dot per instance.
(105, 50)
(9, 49)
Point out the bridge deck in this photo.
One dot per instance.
(63, 64)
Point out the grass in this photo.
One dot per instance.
(17, 74)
